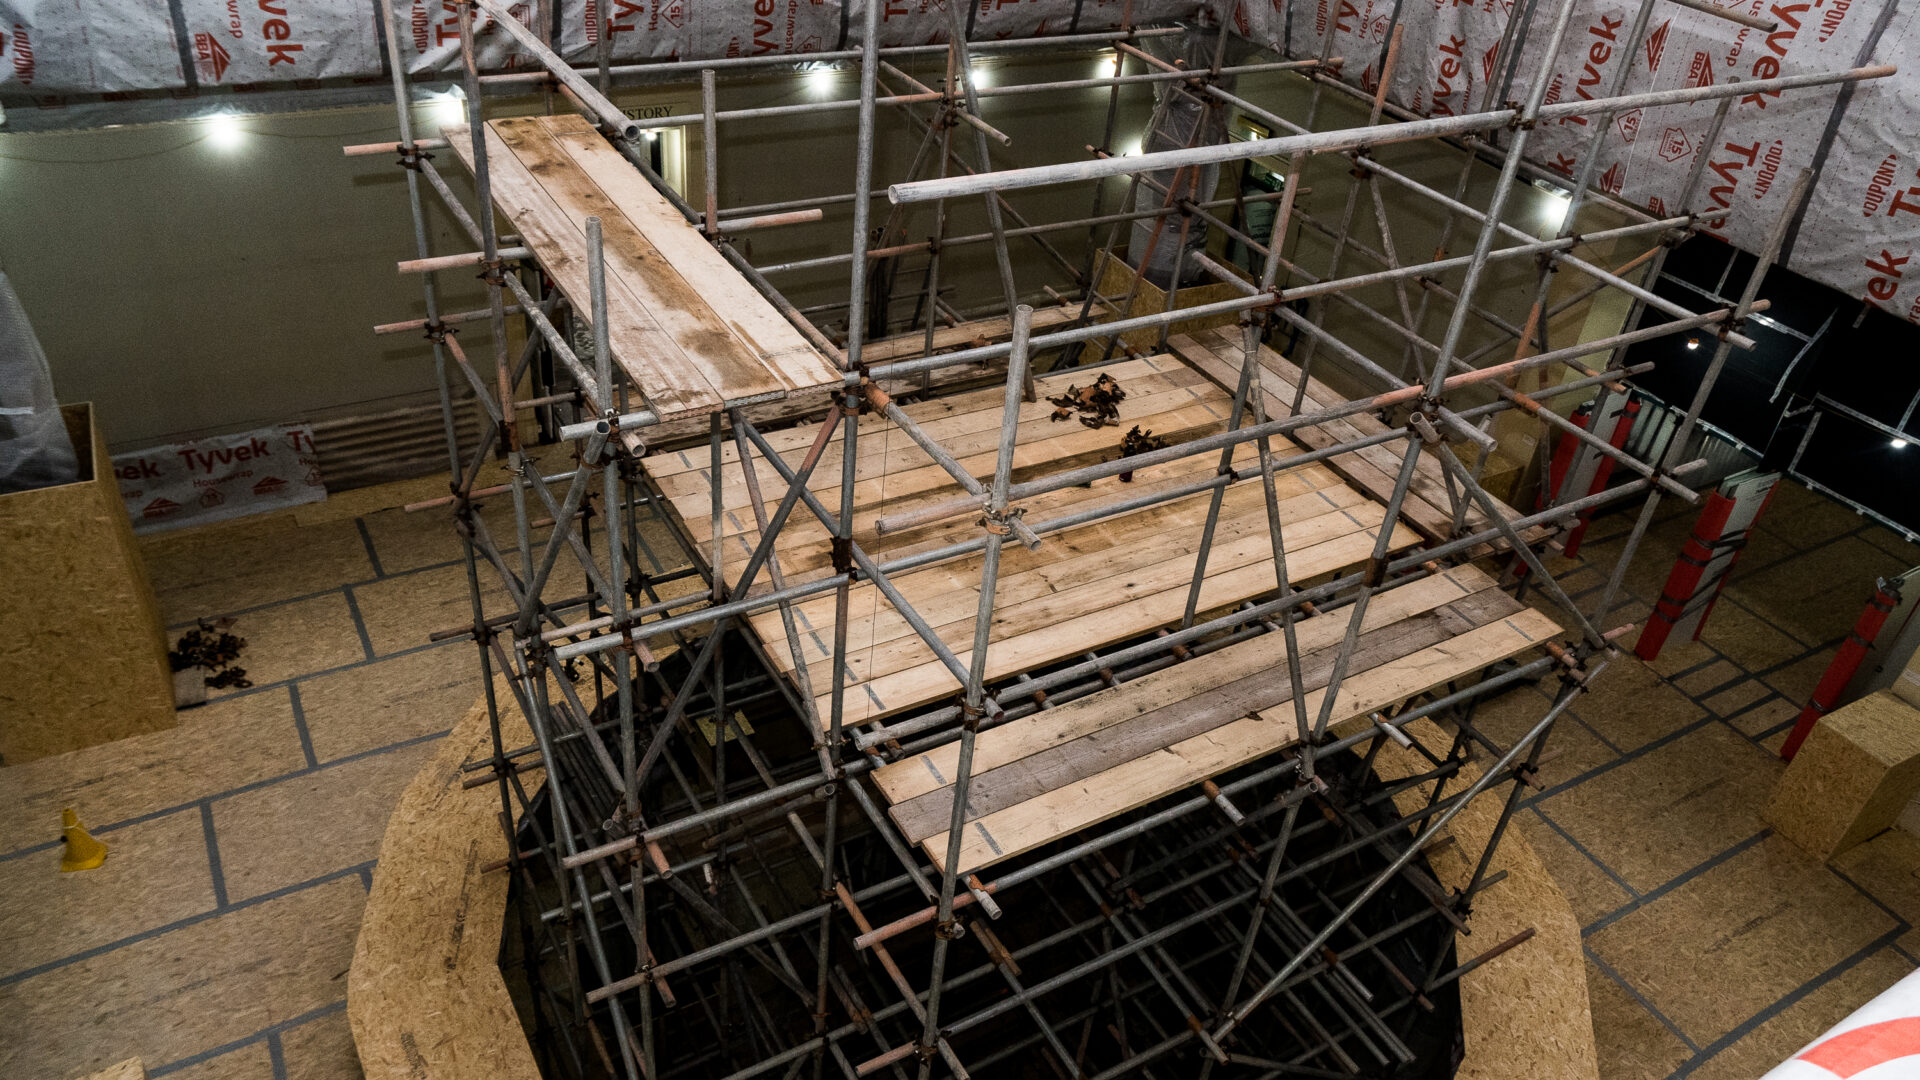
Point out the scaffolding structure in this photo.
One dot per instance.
(710, 921)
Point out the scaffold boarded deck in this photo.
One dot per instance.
(1085, 587)
(1428, 508)
(685, 326)
(1060, 770)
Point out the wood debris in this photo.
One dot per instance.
(1098, 405)
(1137, 441)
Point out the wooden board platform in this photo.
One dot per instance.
(1055, 772)
(962, 335)
(1218, 352)
(685, 326)
(1083, 588)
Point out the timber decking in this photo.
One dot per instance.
(1085, 587)
(685, 326)
(962, 335)
(1063, 769)
(1427, 508)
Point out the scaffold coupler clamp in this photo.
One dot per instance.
(618, 827)
(1002, 522)
(410, 156)
(950, 928)
(872, 398)
(971, 715)
(493, 272)
(438, 332)
(1572, 662)
(1423, 424)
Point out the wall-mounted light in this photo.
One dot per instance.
(1899, 444)
(450, 107)
(820, 78)
(982, 75)
(1693, 343)
(224, 131)
(1553, 210)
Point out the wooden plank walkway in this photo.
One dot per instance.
(1083, 588)
(962, 335)
(1218, 352)
(1061, 770)
(686, 327)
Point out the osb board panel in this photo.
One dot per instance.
(217, 747)
(249, 1062)
(130, 1069)
(268, 836)
(1116, 278)
(1856, 772)
(1740, 937)
(1525, 1013)
(156, 873)
(321, 1049)
(78, 590)
(186, 992)
(424, 995)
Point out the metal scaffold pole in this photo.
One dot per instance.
(708, 881)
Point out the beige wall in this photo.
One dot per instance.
(188, 288)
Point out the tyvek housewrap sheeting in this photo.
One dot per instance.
(1863, 221)
(1859, 234)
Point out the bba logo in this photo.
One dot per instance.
(1611, 179)
(210, 58)
(158, 508)
(269, 486)
(1700, 72)
(1657, 46)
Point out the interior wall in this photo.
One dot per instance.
(189, 284)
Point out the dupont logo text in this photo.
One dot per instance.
(21, 46)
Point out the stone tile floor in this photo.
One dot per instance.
(215, 941)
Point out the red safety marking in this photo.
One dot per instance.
(1853, 652)
(1856, 1051)
(1685, 578)
(1728, 572)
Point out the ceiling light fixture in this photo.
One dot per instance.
(224, 131)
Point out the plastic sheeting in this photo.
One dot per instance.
(1859, 234)
(220, 478)
(1880, 1041)
(1862, 224)
(35, 450)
